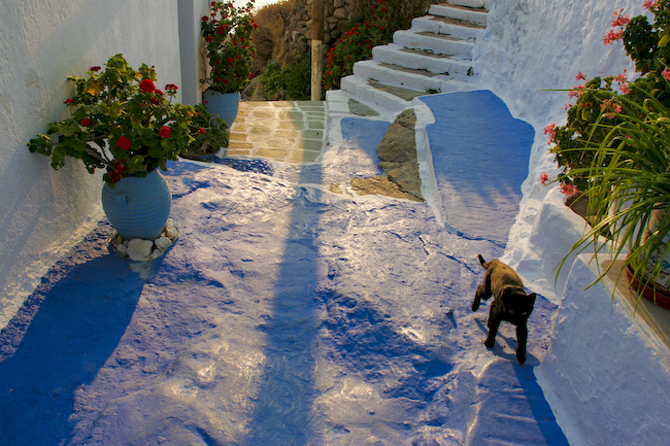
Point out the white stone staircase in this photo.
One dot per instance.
(431, 57)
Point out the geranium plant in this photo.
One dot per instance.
(614, 148)
(211, 133)
(119, 121)
(356, 44)
(227, 44)
(648, 44)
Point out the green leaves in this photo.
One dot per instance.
(108, 106)
(630, 172)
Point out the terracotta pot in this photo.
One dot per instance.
(661, 297)
(138, 207)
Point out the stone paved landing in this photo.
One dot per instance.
(288, 131)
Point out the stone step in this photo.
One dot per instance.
(446, 26)
(469, 3)
(360, 88)
(457, 67)
(434, 43)
(472, 15)
(400, 76)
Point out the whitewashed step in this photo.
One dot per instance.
(470, 3)
(419, 80)
(439, 64)
(434, 43)
(446, 26)
(460, 13)
(361, 89)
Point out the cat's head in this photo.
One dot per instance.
(518, 305)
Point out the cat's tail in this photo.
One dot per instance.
(481, 260)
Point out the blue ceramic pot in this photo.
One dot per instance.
(138, 207)
(225, 105)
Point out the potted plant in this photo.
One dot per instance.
(227, 45)
(120, 122)
(615, 148)
(210, 136)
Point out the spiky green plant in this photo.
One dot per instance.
(629, 190)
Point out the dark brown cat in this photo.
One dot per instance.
(510, 303)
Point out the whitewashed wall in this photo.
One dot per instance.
(605, 375)
(43, 212)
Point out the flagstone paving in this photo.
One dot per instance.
(288, 131)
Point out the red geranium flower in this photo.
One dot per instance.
(251, 75)
(165, 132)
(202, 131)
(205, 18)
(85, 122)
(147, 86)
(95, 68)
(123, 143)
(68, 101)
(209, 39)
(230, 60)
(171, 87)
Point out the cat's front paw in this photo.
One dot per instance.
(489, 343)
(475, 306)
(521, 357)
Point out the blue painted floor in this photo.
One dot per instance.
(481, 155)
(287, 315)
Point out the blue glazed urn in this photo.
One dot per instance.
(138, 207)
(225, 105)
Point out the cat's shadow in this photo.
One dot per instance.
(511, 342)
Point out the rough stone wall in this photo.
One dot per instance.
(299, 29)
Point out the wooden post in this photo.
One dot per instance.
(317, 48)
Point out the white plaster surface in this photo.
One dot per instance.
(605, 374)
(42, 42)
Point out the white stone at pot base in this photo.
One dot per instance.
(141, 250)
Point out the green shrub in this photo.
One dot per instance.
(649, 47)
(290, 82)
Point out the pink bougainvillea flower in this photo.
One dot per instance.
(147, 85)
(165, 132)
(666, 73)
(612, 36)
(85, 122)
(551, 131)
(568, 189)
(576, 92)
(648, 4)
(123, 143)
(580, 76)
(621, 20)
(621, 77)
(624, 88)
(544, 178)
